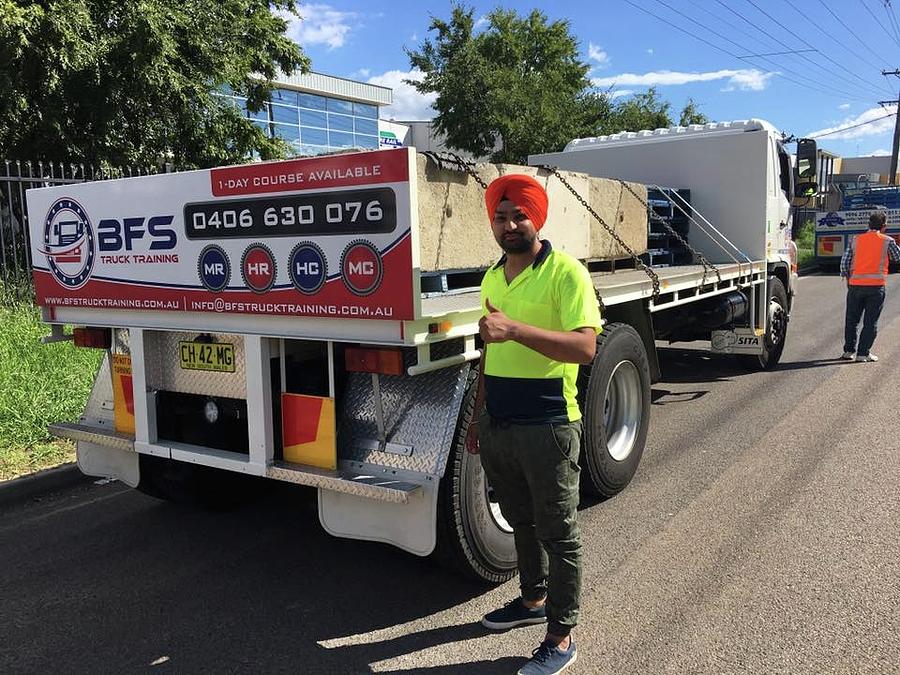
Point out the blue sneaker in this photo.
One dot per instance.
(548, 659)
(512, 614)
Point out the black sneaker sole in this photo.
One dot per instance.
(506, 625)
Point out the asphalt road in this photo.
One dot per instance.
(759, 536)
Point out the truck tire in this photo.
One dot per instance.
(194, 485)
(473, 538)
(616, 405)
(776, 329)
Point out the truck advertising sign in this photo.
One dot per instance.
(317, 237)
(853, 220)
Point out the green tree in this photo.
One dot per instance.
(642, 111)
(128, 81)
(691, 114)
(516, 88)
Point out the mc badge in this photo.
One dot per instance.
(361, 268)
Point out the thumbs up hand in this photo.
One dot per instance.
(495, 326)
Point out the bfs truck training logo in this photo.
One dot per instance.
(69, 243)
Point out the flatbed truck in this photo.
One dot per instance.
(325, 357)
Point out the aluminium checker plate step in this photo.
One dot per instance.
(370, 485)
(89, 433)
(386, 487)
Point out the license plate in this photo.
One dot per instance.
(215, 356)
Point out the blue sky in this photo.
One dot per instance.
(834, 82)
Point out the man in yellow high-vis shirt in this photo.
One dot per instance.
(541, 321)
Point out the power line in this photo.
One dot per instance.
(889, 9)
(742, 47)
(828, 58)
(830, 36)
(725, 51)
(775, 39)
(852, 126)
(881, 24)
(849, 30)
(793, 51)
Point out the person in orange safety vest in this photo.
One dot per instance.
(865, 266)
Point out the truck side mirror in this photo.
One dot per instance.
(805, 184)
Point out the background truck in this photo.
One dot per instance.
(835, 229)
(280, 320)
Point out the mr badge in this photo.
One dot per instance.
(214, 268)
(258, 268)
(361, 268)
(308, 269)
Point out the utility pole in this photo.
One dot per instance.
(896, 146)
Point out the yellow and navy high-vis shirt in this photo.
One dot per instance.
(555, 293)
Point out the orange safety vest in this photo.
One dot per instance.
(870, 259)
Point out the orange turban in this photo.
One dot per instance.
(523, 191)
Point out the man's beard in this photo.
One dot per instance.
(518, 244)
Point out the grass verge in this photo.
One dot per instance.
(39, 384)
(806, 242)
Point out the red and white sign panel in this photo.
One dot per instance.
(322, 237)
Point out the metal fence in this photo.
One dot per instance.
(15, 178)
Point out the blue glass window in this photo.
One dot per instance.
(313, 136)
(284, 96)
(313, 118)
(340, 139)
(264, 126)
(284, 114)
(366, 126)
(307, 150)
(340, 122)
(261, 114)
(365, 110)
(289, 132)
(364, 141)
(339, 106)
(311, 101)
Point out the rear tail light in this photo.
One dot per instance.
(383, 361)
(98, 338)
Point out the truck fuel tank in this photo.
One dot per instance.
(724, 310)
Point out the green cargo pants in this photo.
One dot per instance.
(534, 472)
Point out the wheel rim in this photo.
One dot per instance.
(777, 322)
(494, 509)
(622, 410)
(489, 532)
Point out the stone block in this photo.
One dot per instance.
(455, 233)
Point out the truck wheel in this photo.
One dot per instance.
(194, 485)
(776, 329)
(473, 538)
(616, 411)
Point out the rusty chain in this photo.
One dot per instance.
(662, 221)
(638, 263)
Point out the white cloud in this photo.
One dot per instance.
(319, 25)
(414, 37)
(619, 93)
(597, 54)
(362, 73)
(482, 22)
(884, 125)
(745, 79)
(408, 103)
(650, 51)
(844, 106)
(881, 152)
